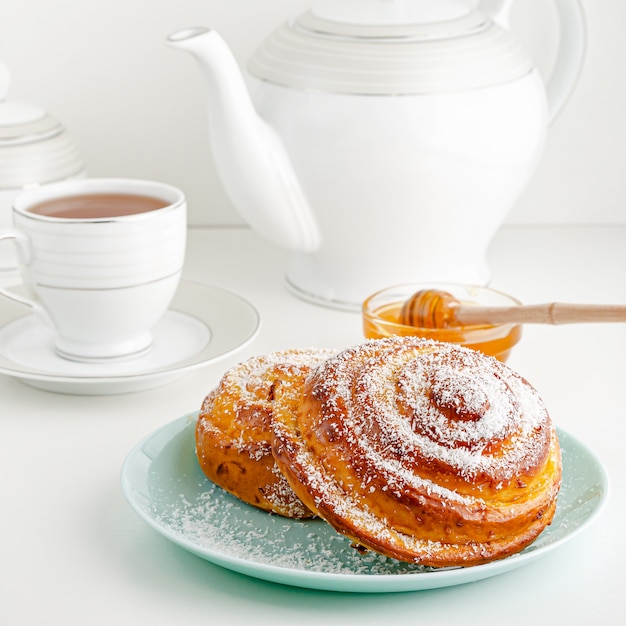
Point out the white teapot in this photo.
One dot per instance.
(384, 141)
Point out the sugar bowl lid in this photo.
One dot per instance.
(35, 148)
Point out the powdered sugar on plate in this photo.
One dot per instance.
(218, 522)
(163, 483)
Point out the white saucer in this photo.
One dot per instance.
(204, 324)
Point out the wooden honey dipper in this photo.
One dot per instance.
(431, 308)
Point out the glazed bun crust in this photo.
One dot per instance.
(422, 451)
(235, 423)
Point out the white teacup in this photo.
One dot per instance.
(101, 259)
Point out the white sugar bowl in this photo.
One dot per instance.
(35, 149)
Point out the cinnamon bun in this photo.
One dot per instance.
(233, 431)
(423, 451)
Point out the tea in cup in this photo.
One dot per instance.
(101, 259)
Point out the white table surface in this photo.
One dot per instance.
(73, 552)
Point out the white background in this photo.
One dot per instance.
(137, 108)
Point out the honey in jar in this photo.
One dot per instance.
(381, 318)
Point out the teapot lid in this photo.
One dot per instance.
(388, 18)
(384, 47)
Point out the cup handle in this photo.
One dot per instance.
(23, 246)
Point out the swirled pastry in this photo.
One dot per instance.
(233, 431)
(423, 451)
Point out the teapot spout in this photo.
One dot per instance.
(252, 162)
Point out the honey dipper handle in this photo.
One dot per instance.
(549, 313)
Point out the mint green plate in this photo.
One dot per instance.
(164, 484)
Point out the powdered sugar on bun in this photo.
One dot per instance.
(424, 451)
(233, 432)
